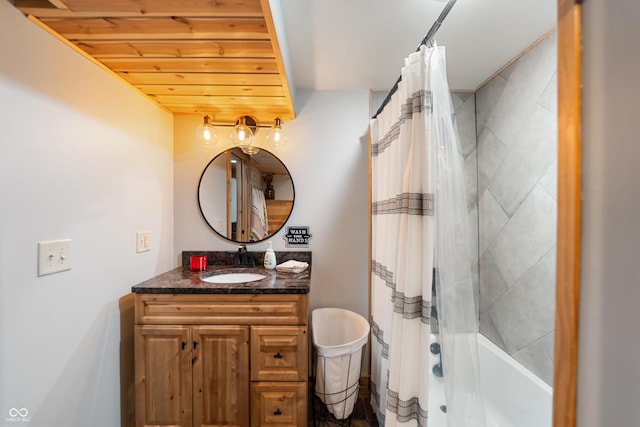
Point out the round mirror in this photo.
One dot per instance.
(245, 197)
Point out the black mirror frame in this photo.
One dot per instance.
(293, 188)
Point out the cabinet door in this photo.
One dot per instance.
(220, 376)
(279, 353)
(163, 376)
(279, 404)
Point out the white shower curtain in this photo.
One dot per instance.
(419, 226)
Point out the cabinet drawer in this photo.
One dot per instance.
(217, 309)
(279, 403)
(279, 353)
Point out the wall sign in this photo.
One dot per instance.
(297, 236)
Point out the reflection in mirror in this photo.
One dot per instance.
(245, 198)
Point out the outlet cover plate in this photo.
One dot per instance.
(54, 256)
(143, 239)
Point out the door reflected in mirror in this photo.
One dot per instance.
(246, 197)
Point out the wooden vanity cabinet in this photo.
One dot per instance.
(214, 360)
(188, 371)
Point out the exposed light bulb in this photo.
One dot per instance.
(206, 133)
(276, 138)
(241, 134)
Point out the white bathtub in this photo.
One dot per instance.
(514, 397)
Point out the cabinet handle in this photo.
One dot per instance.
(195, 344)
(277, 412)
(277, 356)
(184, 345)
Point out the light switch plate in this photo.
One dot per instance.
(54, 256)
(143, 239)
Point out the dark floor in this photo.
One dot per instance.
(362, 415)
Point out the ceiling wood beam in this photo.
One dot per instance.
(190, 56)
(178, 48)
(250, 79)
(211, 90)
(98, 8)
(220, 100)
(186, 65)
(173, 28)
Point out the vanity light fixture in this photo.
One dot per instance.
(276, 138)
(242, 134)
(206, 134)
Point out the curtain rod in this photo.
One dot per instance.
(425, 41)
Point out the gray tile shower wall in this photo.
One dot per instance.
(464, 105)
(516, 117)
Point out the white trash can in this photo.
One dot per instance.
(339, 337)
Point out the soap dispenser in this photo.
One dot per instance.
(269, 258)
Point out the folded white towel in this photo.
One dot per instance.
(292, 266)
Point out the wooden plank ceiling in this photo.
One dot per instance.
(215, 57)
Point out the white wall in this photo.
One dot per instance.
(85, 157)
(327, 158)
(609, 347)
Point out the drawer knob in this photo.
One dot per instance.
(277, 412)
(277, 356)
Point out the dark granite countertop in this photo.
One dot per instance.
(182, 280)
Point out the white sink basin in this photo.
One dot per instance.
(233, 278)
